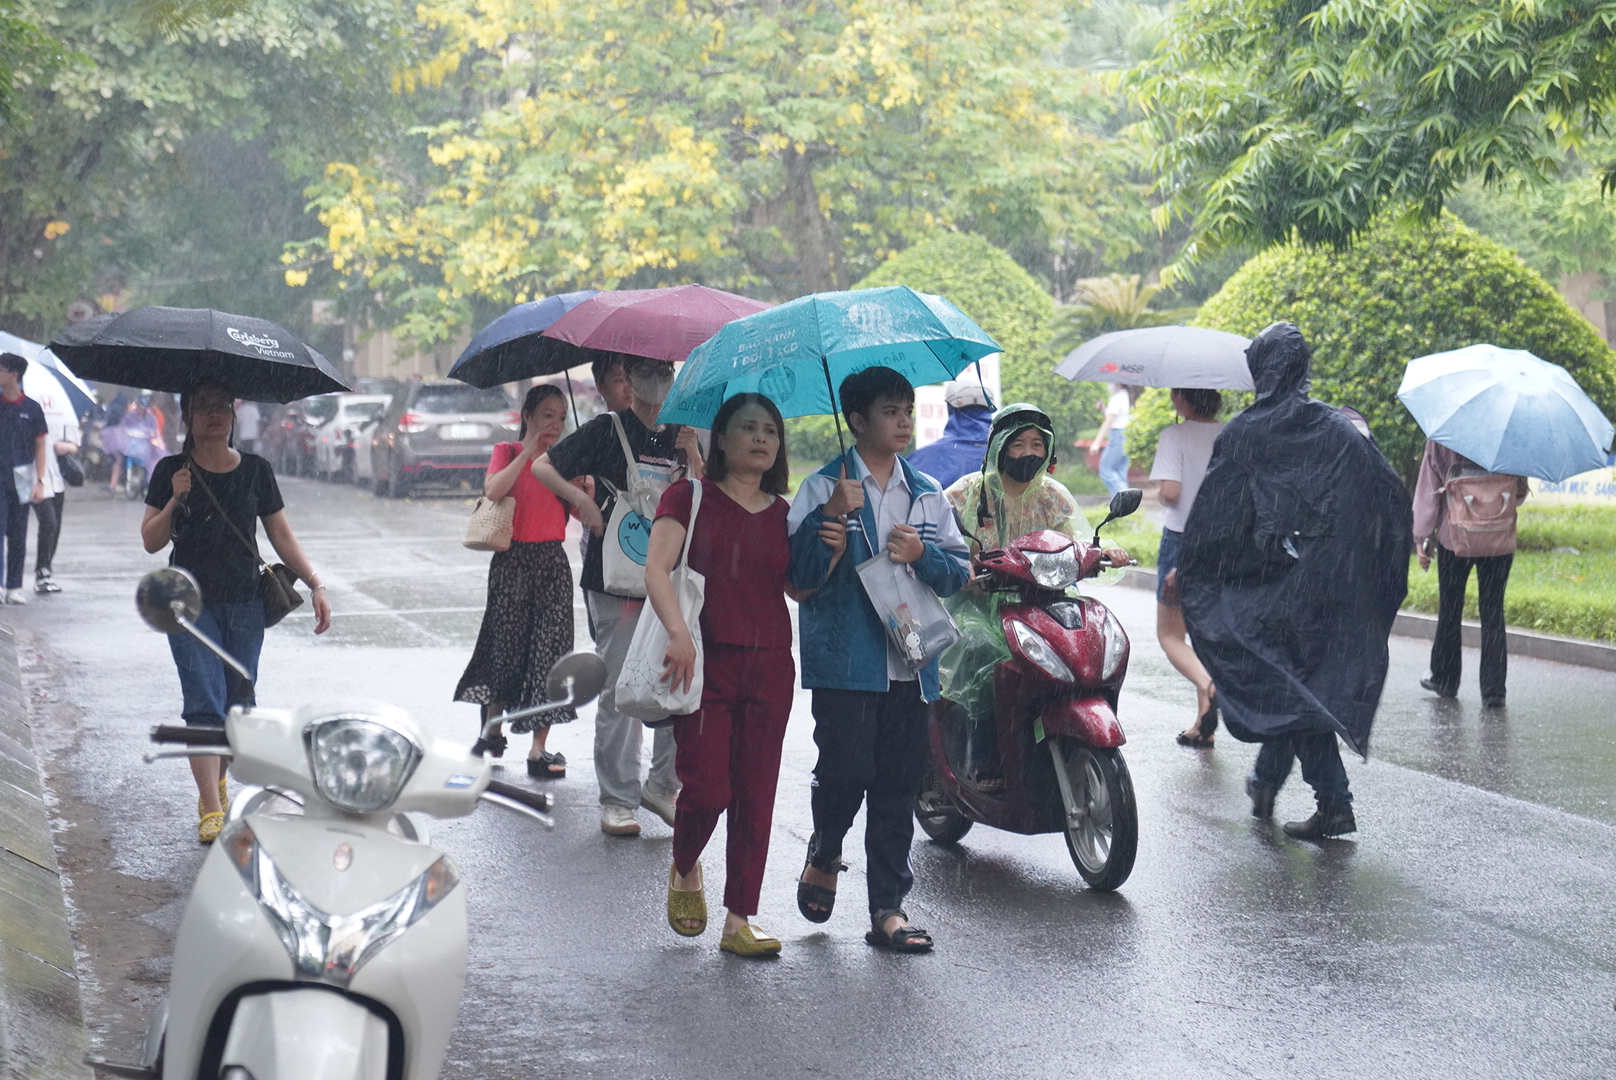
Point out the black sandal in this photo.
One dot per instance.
(905, 939)
(815, 901)
(1204, 729)
(543, 767)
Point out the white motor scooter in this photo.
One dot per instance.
(332, 942)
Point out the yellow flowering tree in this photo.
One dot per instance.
(785, 146)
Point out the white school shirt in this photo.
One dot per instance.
(890, 508)
(1182, 454)
(1118, 409)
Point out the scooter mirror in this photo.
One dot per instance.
(577, 678)
(1126, 502)
(164, 596)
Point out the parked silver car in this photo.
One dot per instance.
(334, 439)
(437, 431)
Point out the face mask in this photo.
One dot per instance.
(652, 386)
(1021, 469)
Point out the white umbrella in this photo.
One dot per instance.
(1172, 356)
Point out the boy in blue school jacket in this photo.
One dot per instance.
(869, 705)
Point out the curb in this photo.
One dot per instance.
(41, 1015)
(1529, 643)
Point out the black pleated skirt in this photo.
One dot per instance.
(527, 627)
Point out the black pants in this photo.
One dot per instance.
(1321, 768)
(14, 517)
(1452, 574)
(872, 753)
(50, 531)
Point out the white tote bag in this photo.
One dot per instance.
(641, 691)
(628, 529)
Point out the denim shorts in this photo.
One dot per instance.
(1166, 559)
(209, 688)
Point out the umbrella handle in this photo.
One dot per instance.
(835, 413)
(571, 399)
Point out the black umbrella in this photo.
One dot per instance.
(178, 349)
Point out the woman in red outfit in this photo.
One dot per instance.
(728, 756)
(527, 625)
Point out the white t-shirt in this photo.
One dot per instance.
(1182, 454)
(1117, 409)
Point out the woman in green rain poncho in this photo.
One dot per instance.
(1012, 495)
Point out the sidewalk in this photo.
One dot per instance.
(41, 1019)
(1561, 650)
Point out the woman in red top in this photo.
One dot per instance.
(728, 755)
(527, 625)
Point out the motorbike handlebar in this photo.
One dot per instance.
(532, 803)
(189, 736)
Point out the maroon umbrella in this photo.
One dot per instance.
(664, 324)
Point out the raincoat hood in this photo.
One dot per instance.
(1280, 361)
(1294, 560)
(960, 450)
(1009, 422)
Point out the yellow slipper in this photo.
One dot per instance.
(749, 941)
(207, 830)
(686, 905)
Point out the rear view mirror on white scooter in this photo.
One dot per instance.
(170, 601)
(576, 679)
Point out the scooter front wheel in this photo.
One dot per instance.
(1102, 820)
(939, 818)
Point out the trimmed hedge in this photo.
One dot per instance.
(1007, 302)
(1397, 293)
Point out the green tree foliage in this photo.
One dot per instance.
(782, 146)
(1397, 293)
(1278, 120)
(1107, 304)
(100, 126)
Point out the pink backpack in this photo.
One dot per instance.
(1480, 518)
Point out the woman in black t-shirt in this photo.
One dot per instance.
(208, 547)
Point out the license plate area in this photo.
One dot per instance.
(463, 432)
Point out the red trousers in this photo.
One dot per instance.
(728, 758)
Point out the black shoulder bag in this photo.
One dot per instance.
(277, 585)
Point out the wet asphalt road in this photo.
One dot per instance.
(1467, 930)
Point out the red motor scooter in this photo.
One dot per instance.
(1055, 713)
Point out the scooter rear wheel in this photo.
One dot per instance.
(1102, 819)
(939, 818)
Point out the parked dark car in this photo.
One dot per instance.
(437, 431)
(286, 438)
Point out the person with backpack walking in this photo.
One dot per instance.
(630, 460)
(1465, 517)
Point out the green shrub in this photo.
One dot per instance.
(1402, 292)
(1007, 302)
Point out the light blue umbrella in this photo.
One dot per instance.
(1507, 411)
(797, 353)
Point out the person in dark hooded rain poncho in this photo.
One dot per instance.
(965, 439)
(1291, 571)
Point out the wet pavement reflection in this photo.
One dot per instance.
(1466, 930)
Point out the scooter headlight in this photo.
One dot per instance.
(359, 765)
(1055, 569)
(325, 947)
(1116, 646)
(1035, 648)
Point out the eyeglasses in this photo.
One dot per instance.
(217, 408)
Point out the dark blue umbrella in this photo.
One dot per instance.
(510, 348)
